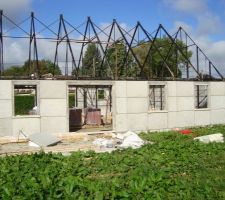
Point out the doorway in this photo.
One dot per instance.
(90, 108)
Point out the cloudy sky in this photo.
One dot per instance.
(202, 19)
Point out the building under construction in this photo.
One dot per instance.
(155, 85)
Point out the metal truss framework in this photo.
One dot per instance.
(105, 39)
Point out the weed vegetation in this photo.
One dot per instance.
(174, 167)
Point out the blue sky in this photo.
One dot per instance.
(202, 19)
(194, 13)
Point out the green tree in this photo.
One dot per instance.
(154, 66)
(91, 61)
(116, 54)
(45, 66)
(14, 71)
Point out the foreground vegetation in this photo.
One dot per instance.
(174, 167)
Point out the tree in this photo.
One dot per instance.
(116, 54)
(155, 66)
(91, 61)
(45, 66)
(14, 71)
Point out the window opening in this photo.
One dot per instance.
(25, 100)
(157, 97)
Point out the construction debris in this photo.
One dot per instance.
(32, 144)
(130, 139)
(103, 142)
(44, 140)
(217, 137)
(70, 142)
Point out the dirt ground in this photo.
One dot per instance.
(70, 142)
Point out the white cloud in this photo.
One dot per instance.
(16, 51)
(209, 23)
(14, 8)
(188, 6)
(182, 24)
(216, 53)
(214, 50)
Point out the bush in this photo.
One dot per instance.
(23, 104)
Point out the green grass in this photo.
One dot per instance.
(174, 167)
(71, 100)
(23, 104)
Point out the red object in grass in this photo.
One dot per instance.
(185, 131)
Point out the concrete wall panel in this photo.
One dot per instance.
(120, 89)
(217, 102)
(5, 89)
(137, 105)
(50, 89)
(130, 106)
(120, 123)
(171, 88)
(218, 116)
(137, 122)
(53, 107)
(137, 89)
(172, 120)
(29, 125)
(121, 105)
(5, 108)
(185, 103)
(202, 117)
(172, 104)
(185, 89)
(217, 88)
(185, 118)
(54, 125)
(6, 127)
(157, 120)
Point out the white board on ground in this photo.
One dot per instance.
(44, 140)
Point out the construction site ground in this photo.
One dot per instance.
(69, 142)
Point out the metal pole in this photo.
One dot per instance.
(105, 52)
(94, 62)
(35, 46)
(76, 97)
(198, 98)
(30, 45)
(187, 68)
(127, 43)
(66, 64)
(70, 48)
(129, 47)
(180, 50)
(210, 69)
(197, 59)
(1, 44)
(57, 44)
(82, 47)
(116, 51)
(96, 97)
(100, 44)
